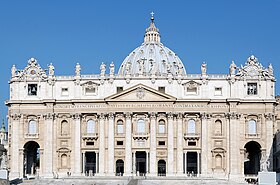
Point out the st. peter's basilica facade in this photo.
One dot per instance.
(151, 118)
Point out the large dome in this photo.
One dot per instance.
(152, 57)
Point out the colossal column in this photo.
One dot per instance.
(234, 145)
(101, 144)
(14, 153)
(48, 145)
(128, 154)
(204, 144)
(77, 144)
(180, 144)
(153, 145)
(170, 156)
(111, 142)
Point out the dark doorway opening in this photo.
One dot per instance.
(31, 161)
(141, 163)
(161, 168)
(90, 166)
(192, 162)
(252, 158)
(119, 167)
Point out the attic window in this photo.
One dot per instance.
(90, 90)
(218, 91)
(191, 90)
(161, 89)
(119, 89)
(32, 89)
(64, 91)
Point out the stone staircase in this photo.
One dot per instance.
(130, 181)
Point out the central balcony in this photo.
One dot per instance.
(141, 135)
(90, 136)
(191, 136)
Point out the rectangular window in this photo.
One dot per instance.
(120, 143)
(161, 89)
(191, 143)
(161, 143)
(252, 89)
(191, 91)
(120, 128)
(90, 91)
(161, 128)
(64, 91)
(218, 91)
(32, 89)
(90, 143)
(119, 89)
(140, 126)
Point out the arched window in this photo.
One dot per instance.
(218, 127)
(191, 127)
(252, 127)
(32, 127)
(120, 127)
(91, 126)
(218, 161)
(140, 126)
(64, 161)
(161, 126)
(64, 128)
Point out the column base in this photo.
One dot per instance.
(14, 175)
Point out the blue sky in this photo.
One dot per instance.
(90, 32)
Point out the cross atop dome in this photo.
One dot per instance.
(152, 33)
(152, 16)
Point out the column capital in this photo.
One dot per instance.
(170, 115)
(101, 116)
(128, 115)
(153, 115)
(76, 116)
(269, 116)
(111, 115)
(233, 115)
(15, 116)
(204, 115)
(179, 115)
(48, 116)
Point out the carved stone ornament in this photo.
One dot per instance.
(32, 71)
(140, 93)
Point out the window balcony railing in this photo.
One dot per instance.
(141, 135)
(192, 136)
(32, 136)
(90, 136)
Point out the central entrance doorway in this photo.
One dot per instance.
(192, 163)
(141, 163)
(90, 163)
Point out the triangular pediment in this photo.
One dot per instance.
(140, 92)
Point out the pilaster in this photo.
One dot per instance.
(102, 144)
(77, 144)
(170, 156)
(14, 153)
(111, 142)
(153, 170)
(204, 144)
(179, 144)
(48, 145)
(128, 154)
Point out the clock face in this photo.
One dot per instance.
(252, 71)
